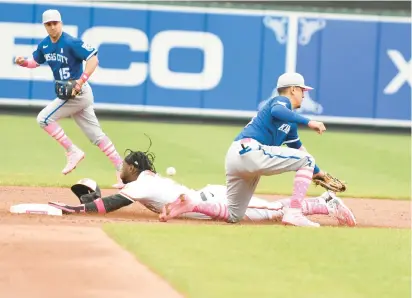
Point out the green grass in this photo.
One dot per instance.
(216, 261)
(374, 165)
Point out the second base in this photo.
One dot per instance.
(32, 208)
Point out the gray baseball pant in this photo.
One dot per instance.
(79, 108)
(245, 165)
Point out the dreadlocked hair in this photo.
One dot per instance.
(142, 161)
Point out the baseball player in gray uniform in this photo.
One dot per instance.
(65, 55)
(257, 151)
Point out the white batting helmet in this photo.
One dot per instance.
(85, 186)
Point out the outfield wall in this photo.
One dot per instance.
(220, 62)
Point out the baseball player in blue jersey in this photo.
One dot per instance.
(65, 55)
(257, 151)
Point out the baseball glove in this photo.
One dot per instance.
(330, 183)
(67, 89)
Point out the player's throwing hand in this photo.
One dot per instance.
(317, 126)
(77, 88)
(19, 60)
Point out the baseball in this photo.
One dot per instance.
(171, 171)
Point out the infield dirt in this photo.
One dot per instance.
(70, 256)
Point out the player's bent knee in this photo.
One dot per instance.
(41, 119)
(96, 138)
(310, 161)
(234, 218)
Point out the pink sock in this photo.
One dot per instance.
(56, 132)
(214, 210)
(107, 147)
(314, 206)
(301, 183)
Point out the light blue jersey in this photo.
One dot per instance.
(65, 57)
(275, 124)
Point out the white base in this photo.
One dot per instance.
(42, 209)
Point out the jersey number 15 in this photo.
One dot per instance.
(64, 73)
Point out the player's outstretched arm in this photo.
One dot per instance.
(281, 112)
(317, 126)
(100, 205)
(35, 61)
(28, 63)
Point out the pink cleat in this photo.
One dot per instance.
(119, 184)
(178, 207)
(294, 217)
(340, 211)
(73, 158)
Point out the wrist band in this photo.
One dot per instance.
(84, 77)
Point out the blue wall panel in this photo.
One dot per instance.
(395, 103)
(359, 66)
(241, 38)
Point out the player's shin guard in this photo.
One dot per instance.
(57, 132)
(301, 183)
(107, 147)
(214, 210)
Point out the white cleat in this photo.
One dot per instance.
(340, 211)
(295, 217)
(73, 158)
